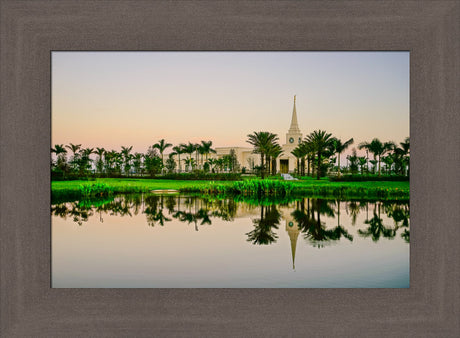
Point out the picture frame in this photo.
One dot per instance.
(31, 30)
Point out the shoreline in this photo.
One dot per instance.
(302, 188)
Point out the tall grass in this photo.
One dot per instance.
(95, 190)
(246, 188)
(283, 188)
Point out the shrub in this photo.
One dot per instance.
(246, 188)
(96, 189)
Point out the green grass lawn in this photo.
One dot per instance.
(130, 184)
(310, 187)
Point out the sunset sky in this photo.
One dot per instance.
(114, 99)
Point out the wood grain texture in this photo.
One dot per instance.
(30, 30)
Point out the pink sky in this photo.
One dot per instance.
(114, 99)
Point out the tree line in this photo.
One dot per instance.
(316, 154)
(74, 160)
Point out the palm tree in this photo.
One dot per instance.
(339, 147)
(58, 149)
(307, 150)
(60, 152)
(374, 165)
(402, 159)
(74, 149)
(297, 152)
(219, 164)
(206, 148)
(353, 160)
(99, 164)
(162, 146)
(377, 148)
(189, 149)
(388, 160)
(137, 163)
(212, 163)
(178, 150)
(109, 157)
(362, 161)
(197, 151)
(262, 142)
(275, 151)
(85, 159)
(320, 142)
(125, 152)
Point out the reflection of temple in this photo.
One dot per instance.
(293, 231)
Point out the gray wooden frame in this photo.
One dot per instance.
(31, 29)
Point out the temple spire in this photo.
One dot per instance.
(294, 124)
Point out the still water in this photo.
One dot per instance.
(180, 241)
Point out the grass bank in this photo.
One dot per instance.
(308, 187)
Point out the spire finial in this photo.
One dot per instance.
(294, 98)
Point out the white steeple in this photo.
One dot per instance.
(294, 135)
(294, 129)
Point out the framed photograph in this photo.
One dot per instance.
(214, 186)
(46, 292)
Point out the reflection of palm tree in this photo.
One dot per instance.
(353, 208)
(377, 229)
(204, 216)
(156, 217)
(406, 235)
(154, 211)
(170, 204)
(315, 230)
(226, 209)
(60, 210)
(399, 215)
(263, 233)
(303, 218)
(80, 214)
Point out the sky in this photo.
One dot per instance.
(114, 99)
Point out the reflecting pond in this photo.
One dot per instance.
(150, 241)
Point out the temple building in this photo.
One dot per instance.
(286, 162)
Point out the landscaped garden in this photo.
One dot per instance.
(318, 172)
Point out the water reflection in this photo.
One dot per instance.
(309, 216)
(298, 224)
(264, 226)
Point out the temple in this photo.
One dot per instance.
(285, 163)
